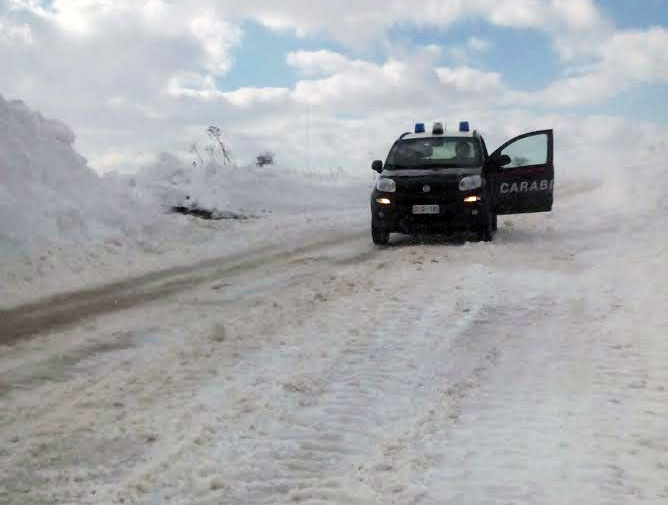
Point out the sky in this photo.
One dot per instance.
(332, 84)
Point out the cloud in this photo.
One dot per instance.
(246, 97)
(625, 59)
(478, 45)
(571, 23)
(317, 62)
(13, 34)
(115, 69)
(216, 38)
(192, 85)
(469, 51)
(470, 81)
(136, 77)
(200, 24)
(340, 84)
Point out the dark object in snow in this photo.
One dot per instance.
(265, 158)
(209, 214)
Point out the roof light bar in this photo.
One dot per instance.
(464, 126)
(438, 128)
(419, 127)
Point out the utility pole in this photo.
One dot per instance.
(308, 137)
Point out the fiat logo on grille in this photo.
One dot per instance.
(426, 188)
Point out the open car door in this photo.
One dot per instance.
(522, 174)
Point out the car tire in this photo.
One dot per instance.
(486, 232)
(380, 237)
(494, 221)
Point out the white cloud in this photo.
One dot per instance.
(343, 85)
(12, 34)
(352, 20)
(466, 54)
(625, 59)
(477, 44)
(470, 81)
(203, 88)
(135, 77)
(317, 62)
(200, 23)
(217, 39)
(192, 85)
(246, 97)
(577, 14)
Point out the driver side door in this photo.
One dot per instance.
(526, 182)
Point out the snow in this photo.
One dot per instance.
(306, 365)
(63, 225)
(251, 190)
(48, 193)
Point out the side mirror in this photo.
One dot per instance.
(501, 160)
(377, 166)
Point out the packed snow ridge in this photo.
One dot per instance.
(227, 189)
(48, 194)
(64, 225)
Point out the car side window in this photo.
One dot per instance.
(527, 151)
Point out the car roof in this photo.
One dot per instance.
(447, 133)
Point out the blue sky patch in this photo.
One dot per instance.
(260, 60)
(629, 14)
(525, 58)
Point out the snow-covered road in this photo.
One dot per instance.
(530, 370)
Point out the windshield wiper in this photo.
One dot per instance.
(423, 166)
(441, 165)
(397, 165)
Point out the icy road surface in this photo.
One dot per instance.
(532, 370)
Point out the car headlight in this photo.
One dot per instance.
(386, 185)
(470, 182)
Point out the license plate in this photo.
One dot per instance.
(426, 209)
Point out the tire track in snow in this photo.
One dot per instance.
(352, 405)
(569, 413)
(53, 416)
(67, 309)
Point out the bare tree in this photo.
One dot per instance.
(211, 151)
(215, 133)
(193, 149)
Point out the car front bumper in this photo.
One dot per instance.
(398, 216)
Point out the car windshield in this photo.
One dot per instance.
(435, 152)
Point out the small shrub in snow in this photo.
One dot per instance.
(265, 158)
(216, 134)
(195, 151)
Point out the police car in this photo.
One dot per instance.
(445, 181)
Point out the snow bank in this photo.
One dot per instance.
(49, 195)
(625, 161)
(63, 227)
(247, 189)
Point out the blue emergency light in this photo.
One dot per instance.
(464, 126)
(419, 127)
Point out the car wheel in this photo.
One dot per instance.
(486, 231)
(380, 237)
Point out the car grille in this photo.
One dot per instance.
(410, 191)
